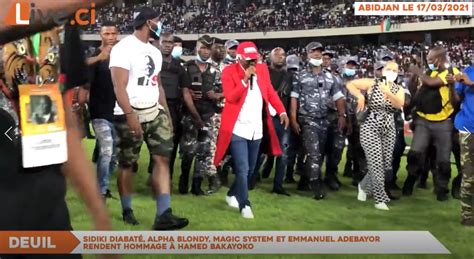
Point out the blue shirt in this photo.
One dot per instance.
(465, 118)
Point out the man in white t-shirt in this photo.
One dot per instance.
(141, 114)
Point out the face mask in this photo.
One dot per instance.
(177, 52)
(390, 75)
(315, 62)
(156, 33)
(201, 60)
(349, 72)
(230, 58)
(432, 67)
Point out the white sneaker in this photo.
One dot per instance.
(247, 212)
(232, 201)
(361, 195)
(381, 206)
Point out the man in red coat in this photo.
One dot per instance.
(248, 93)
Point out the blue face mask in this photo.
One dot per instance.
(177, 52)
(156, 32)
(199, 59)
(349, 72)
(432, 67)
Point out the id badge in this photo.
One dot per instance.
(43, 127)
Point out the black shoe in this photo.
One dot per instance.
(355, 183)
(332, 183)
(290, 180)
(196, 187)
(253, 181)
(135, 167)
(394, 186)
(107, 195)
(280, 191)
(168, 221)
(467, 222)
(214, 184)
(389, 193)
(318, 189)
(129, 218)
(456, 192)
(407, 189)
(442, 196)
(422, 185)
(303, 185)
(183, 185)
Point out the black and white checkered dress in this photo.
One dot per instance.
(377, 137)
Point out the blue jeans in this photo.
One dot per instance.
(244, 155)
(106, 160)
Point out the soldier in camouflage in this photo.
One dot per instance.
(212, 90)
(312, 90)
(336, 138)
(464, 122)
(200, 109)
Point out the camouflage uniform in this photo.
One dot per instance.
(207, 142)
(335, 138)
(188, 142)
(314, 93)
(157, 135)
(467, 185)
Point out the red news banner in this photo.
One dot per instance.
(219, 242)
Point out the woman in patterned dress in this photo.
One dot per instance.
(377, 134)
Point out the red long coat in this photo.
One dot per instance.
(235, 93)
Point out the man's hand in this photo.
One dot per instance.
(214, 96)
(284, 120)
(134, 124)
(251, 70)
(198, 123)
(341, 123)
(105, 53)
(450, 79)
(197, 95)
(295, 126)
(350, 126)
(462, 77)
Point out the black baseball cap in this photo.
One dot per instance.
(206, 40)
(143, 14)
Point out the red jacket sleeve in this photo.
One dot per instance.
(273, 97)
(232, 91)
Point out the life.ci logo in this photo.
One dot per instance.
(21, 12)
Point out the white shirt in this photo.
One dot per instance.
(249, 124)
(143, 62)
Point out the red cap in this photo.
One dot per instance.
(247, 51)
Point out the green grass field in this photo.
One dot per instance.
(339, 211)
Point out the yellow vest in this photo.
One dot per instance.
(447, 109)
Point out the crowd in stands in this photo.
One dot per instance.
(217, 18)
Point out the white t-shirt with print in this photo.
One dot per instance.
(143, 62)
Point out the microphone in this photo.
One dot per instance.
(251, 82)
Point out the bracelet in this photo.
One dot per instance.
(129, 113)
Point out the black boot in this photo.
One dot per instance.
(303, 184)
(407, 189)
(214, 184)
(183, 184)
(223, 173)
(168, 221)
(456, 187)
(196, 186)
(253, 181)
(389, 193)
(318, 188)
(332, 182)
